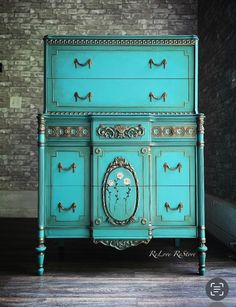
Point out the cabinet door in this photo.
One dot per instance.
(67, 186)
(121, 197)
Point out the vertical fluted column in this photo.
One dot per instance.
(201, 196)
(41, 193)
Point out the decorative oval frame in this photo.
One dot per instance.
(117, 163)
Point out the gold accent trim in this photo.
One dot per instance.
(41, 124)
(150, 230)
(202, 241)
(120, 131)
(120, 42)
(117, 113)
(73, 131)
(121, 244)
(201, 143)
(201, 227)
(173, 131)
(41, 241)
(143, 221)
(201, 120)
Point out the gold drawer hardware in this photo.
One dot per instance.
(88, 96)
(88, 62)
(60, 167)
(163, 96)
(179, 207)
(61, 208)
(163, 62)
(178, 166)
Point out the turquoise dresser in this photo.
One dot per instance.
(121, 142)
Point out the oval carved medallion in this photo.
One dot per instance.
(120, 193)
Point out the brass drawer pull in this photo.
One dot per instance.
(163, 62)
(61, 208)
(179, 207)
(178, 166)
(88, 96)
(163, 96)
(60, 167)
(88, 62)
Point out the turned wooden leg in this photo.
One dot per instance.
(41, 251)
(202, 249)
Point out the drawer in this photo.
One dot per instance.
(161, 62)
(67, 167)
(67, 204)
(174, 166)
(125, 94)
(174, 205)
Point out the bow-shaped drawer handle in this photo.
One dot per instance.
(163, 96)
(179, 207)
(88, 96)
(88, 62)
(163, 62)
(60, 167)
(61, 208)
(178, 166)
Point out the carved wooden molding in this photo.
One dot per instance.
(121, 244)
(171, 131)
(62, 131)
(120, 131)
(120, 42)
(119, 163)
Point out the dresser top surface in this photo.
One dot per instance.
(195, 37)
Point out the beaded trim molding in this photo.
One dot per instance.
(117, 113)
(189, 131)
(121, 42)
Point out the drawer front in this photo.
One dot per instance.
(68, 167)
(67, 204)
(161, 62)
(174, 205)
(152, 95)
(174, 166)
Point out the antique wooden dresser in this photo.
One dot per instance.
(121, 142)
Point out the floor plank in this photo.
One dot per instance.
(94, 275)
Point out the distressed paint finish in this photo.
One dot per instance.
(114, 165)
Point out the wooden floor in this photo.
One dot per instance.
(92, 275)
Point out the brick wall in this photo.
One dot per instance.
(217, 93)
(22, 26)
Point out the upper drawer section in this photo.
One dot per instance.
(121, 62)
(147, 95)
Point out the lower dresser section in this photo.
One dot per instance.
(122, 181)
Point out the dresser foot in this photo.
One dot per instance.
(202, 249)
(41, 251)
